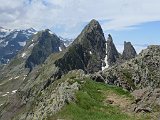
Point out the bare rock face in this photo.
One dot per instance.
(140, 76)
(86, 52)
(129, 51)
(45, 102)
(47, 44)
(112, 52)
(146, 100)
(140, 72)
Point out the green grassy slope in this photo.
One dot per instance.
(97, 101)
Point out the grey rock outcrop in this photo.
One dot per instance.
(146, 100)
(129, 52)
(97, 77)
(45, 102)
(140, 72)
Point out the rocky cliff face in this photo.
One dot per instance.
(129, 52)
(141, 76)
(87, 51)
(47, 44)
(139, 72)
(14, 74)
(112, 52)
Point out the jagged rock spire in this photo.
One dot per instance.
(112, 52)
(129, 52)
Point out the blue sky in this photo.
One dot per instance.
(145, 33)
(140, 35)
(126, 20)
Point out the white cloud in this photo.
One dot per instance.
(40, 14)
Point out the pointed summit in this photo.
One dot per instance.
(91, 30)
(129, 51)
(46, 44)
(87, 51)
(93, 26)
(112, 52)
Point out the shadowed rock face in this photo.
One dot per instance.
(129, 51)
(112, 52)
(48, 43)
(86, 52)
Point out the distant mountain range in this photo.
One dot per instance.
(11, 41)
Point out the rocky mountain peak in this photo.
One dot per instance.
(91, 30)
(32, 29)
(47, 44)
(12, 41)
(129, 52)
(112, 52)
(87, 51)
(93, 26)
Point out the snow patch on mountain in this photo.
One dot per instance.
(1, 41)
(4, 95)
(66, 41)
(50, 32)
(5, 44)
(23, 55)
(4, 32)
(60, 49)
(105, 61)
(16, 77)
(31, 45)
(90, 52)
(35, 33)
(15, 35)
(10, 39)
(14, 91)
(22, 43)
